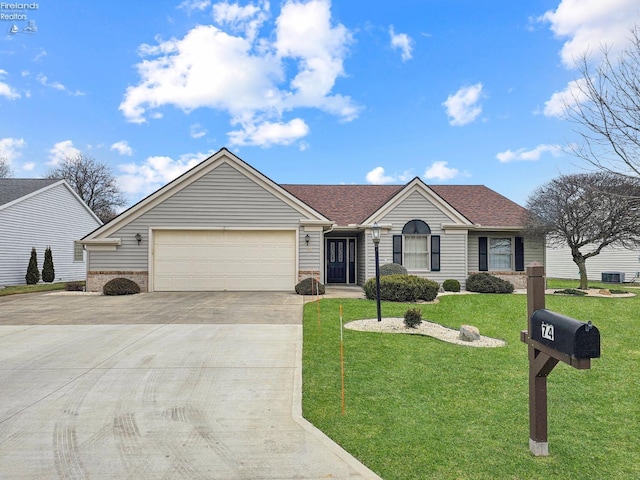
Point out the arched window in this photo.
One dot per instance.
(416, 245)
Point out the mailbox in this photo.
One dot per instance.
(565, 334)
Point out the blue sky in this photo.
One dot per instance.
(318, 91)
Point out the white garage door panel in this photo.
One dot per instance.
(223, 260)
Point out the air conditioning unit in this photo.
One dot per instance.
(612, 277)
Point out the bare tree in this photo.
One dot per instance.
(93, 182)
(606, 110)
(587, 212)
(5, 168)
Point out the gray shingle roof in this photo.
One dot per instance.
(14, 188)
(351, 204)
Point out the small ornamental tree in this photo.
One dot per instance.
(48, 272)
(33, 274)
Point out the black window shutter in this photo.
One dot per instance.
(435, 253)
(519, 247)
(397, 249)
(483, 264)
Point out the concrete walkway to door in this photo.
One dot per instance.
(157, 386)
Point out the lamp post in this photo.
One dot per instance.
(375, 236)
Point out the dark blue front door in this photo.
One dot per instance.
(336, 261)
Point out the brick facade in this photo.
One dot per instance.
(97, 279)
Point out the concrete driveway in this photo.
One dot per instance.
(158, 386)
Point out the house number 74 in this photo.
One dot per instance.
(547, 331)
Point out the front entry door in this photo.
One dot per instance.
(336, 261)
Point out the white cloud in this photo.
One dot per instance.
(559, 102)
(29, 166)
(56, 85)
(6, 90)
(440, 171)
(122, 147)
(402, 42)
(197, 131)
(194, 5)
(377, 177)
(246, 20)
(267, 134)
(529, 155)
(591, 24)
(254, 87)
(61, 151)
(10, 148)
(463, 107)
(155, 172)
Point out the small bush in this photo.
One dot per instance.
(615, 291)
(310, 286)
(74, 286)
(485, 283)
(48, 272)
(120, 286)
(413, 318)
(451, 285)
(392, 269)
(402, 288)
(33, 274)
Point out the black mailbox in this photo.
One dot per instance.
(565, 334)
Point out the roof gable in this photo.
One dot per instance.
(221, 157)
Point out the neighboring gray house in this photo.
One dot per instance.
(612, 260)
(225, 226)
(40, 213)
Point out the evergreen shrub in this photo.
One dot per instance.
(33, 274)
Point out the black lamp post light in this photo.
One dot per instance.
(375, 236)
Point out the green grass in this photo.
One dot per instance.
(40, 287)
(419, 408)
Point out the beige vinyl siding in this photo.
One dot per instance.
(311, 254)
(361, 252)
(533, 251)
(53, 217)
(223, 198)
(452, 245)
(561, 265)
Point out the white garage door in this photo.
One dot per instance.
(214, 260)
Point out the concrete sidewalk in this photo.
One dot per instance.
(158, 400)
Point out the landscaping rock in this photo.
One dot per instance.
(469, 333)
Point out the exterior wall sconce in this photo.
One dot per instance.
(138, 238)
(307, 239)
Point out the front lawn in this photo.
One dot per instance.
(420, 408)
(39, 287)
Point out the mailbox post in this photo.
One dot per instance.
(551, 338)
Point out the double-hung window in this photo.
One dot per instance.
(501, 254)
(416, 248)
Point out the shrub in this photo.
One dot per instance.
(402, 288)
(48, 272)
(451, 285)
(310, 286)
(33, 274)
(392, 269)
(74, 286)
(485, 283)
(412, 318)
(120, 286)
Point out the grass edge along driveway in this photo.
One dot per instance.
(420, 408)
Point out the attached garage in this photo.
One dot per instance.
(216, 260)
